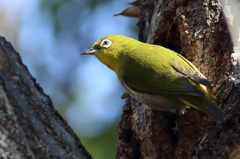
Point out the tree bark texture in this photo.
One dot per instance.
(30, 127)
(196, 29)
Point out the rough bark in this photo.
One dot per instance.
(30, 127)
(197, 30)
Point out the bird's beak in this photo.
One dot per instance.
(88, 52)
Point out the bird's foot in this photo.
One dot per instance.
(179, 125)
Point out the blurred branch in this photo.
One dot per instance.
(30, 127)
(133, 11)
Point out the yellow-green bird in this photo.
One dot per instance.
(156, 76)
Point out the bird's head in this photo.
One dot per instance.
(110, 50)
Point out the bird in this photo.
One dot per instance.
(155, 76)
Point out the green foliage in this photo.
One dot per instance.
(102, 146)
(92, 4)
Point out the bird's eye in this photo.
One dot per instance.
(106, 43)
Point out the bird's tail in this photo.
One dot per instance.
(204, 104)
(213, 110)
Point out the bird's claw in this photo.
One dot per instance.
(179, 125)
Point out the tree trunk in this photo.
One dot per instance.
(30, 127)
(198, 31)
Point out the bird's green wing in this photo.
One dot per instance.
(168, 75)
(189, 70)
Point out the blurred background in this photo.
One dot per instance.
(49, 35)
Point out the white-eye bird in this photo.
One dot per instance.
(156, 76)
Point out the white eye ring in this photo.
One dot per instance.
(106, 43)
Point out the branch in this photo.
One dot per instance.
(30, 127)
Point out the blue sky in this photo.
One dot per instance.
(86, 89)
